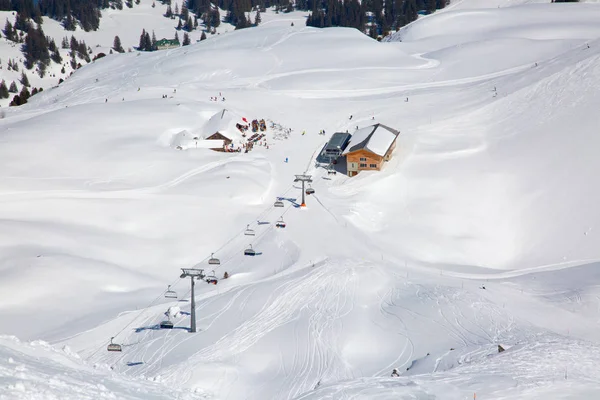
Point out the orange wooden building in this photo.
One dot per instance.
(369, 148)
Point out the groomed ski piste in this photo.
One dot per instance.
(480, 232)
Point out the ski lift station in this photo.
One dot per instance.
(336, 146)
(367, 149)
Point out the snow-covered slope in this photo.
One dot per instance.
(480, 231)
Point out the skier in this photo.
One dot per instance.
(350, 117)
(303, 133)
(286, 159)
(395, 372)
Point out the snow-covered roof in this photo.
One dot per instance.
(375, 138)
(224, 122)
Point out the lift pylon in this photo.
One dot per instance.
(303, 178)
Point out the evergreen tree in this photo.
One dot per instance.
(176, 12)
(203, 36)
(8, 31)
(117, 45)
(148, 42)
(176, 37)
(153, 42)
(35, 48)
(257, 18)
(73, 44)
(22, 22)
(179, 25)
(189, 25)
(186, 39)
(169, 12)
(24, 80)
(16, 101)
(142, 45)
(13, 87)
(65, 43)
(4, 90)
(185, 13)
(24, 95)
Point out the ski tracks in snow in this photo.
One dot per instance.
(324, 294)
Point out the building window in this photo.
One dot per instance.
(363, 159)
(372, 165)
(363, 165)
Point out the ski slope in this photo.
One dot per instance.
(480, 231)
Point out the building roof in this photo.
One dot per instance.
(376, 139)
(338, 139)
(164, 42)
(224, 122)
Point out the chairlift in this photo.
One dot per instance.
(280, 223)
(249, 251)
(249, 232)
(113, 346)
(166, 325)
(212, 278)
(170, 294)
(213, 260)
(310, 190)
(278, 203)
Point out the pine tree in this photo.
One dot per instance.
(186, 39)
(8, 31)
(257, 18)
(142, 44)
(13, 87)
(176, 12)
(117, 45)
(176, 37)
(203, 36)
(189, 25)
(16, 101)
(24, 80)
(153, 42)
(4, 90)
(179, 25)
(169, 12)
(185, 13)
(148, 42)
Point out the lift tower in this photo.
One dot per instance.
(192, 273)
(303, 178)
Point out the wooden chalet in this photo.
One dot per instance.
(369, 148)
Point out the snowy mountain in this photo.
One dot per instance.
(479, 232)
(127, 24)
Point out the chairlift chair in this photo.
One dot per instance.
(170, 294)
(211, 278)
(213, 260)
(280, 223)
(249, 251)
(113, 346)
(166, 325)
(310, 190)
(278, 203)
(249, 232)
